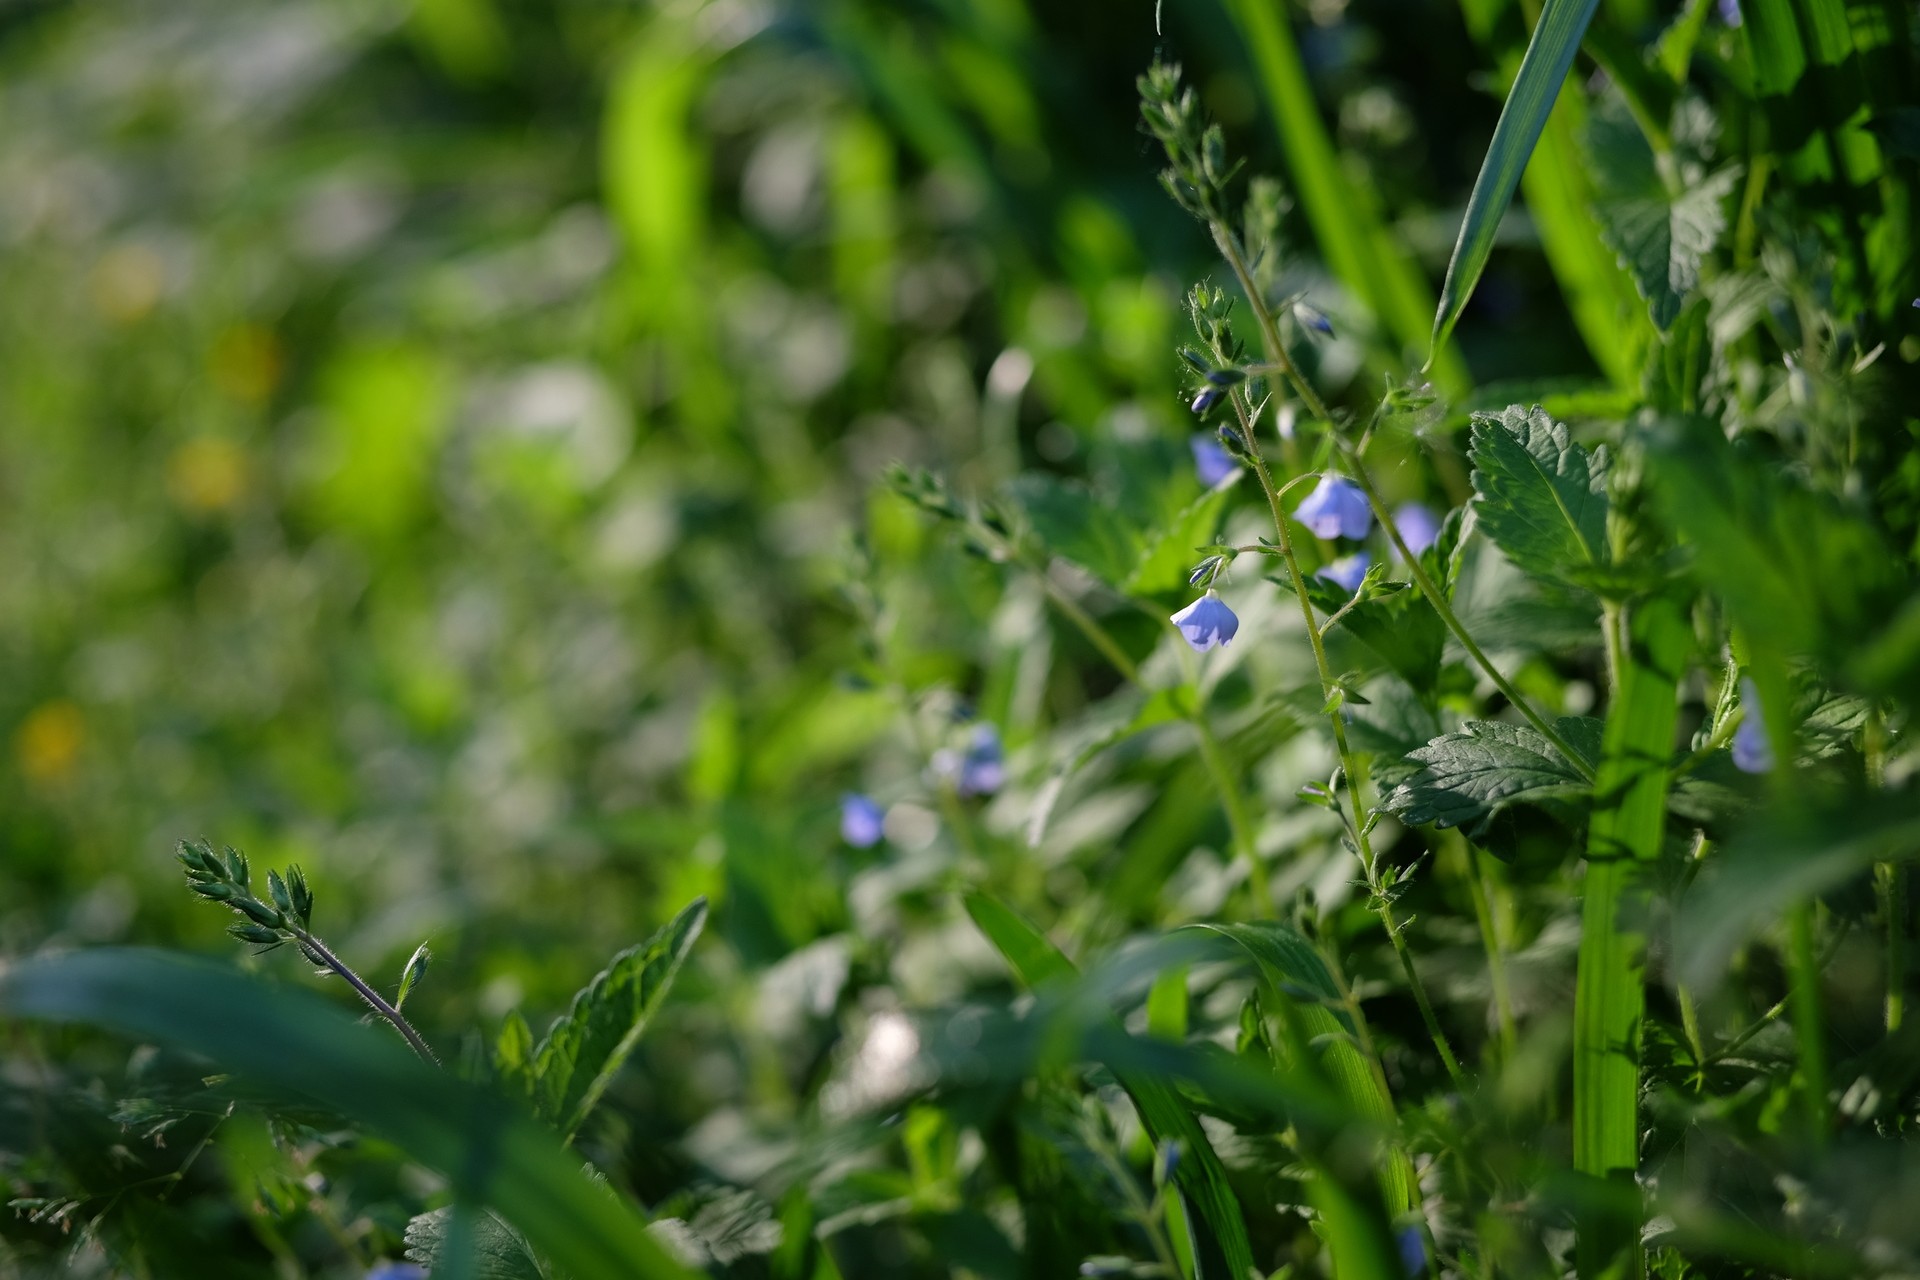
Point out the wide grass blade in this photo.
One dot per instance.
(1535, 90)
(1629, 821)
(305, 1048)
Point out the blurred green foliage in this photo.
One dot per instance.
(524, 462)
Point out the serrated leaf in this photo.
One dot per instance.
(1660, 235)
(495, 1250)
(1167, 560)
(1472, 775)
(1401, 627)
(1077, 525)
(1540, 497)
(584, 1049)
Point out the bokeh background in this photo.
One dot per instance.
(440, 444)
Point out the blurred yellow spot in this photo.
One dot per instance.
(48, 742)
(207, 474)
(127, 282)
(245, 363)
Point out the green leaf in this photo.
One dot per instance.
(1293, 971)
(584, 1049)
(1472, 775)
(1028, 952)
(410, 976)
(513, 1054)
(302, 1047)
(1628, 824)
(1540, 497)
(1535, 89)
(1399, 625)
(1078, 525)
(1661, 235)
(494, 1250)
(1169, 556)
(1201, 1176)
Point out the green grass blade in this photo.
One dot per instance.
(1359, 247)
(1201, 1177)
(1628, 823)
(1535, 89)
(1292, 970)
(297, 1044)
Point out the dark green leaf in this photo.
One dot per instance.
(303, 1047)
(1540, 497)
(1472, 775)
(495, 1251)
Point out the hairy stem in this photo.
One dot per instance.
(378, 1003)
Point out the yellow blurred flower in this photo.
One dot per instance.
(48, 742)
(207, 474)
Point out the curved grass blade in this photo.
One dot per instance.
(1201, 1177)
(303, 1047)
(1535, 90)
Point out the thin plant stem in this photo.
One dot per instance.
(1807, 1023)
(1477, 886)
(377, 1002)
(1382, 905)
(1891, 881)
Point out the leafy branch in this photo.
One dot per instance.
(286, 916)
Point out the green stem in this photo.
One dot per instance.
(1097, 635)
(1438, 599)
(1277, 352)
(1496, 953)
(1807, 1020)
(318, 950)
(1236, 806)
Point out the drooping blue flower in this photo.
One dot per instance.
(1730, 12)
(1207, 622)
(1752, 752)
(1212, 463)
(1418, 527)
(861, 820)
(1413, 1250)
(1335, 509)
(1348, 571)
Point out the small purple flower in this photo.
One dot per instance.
(1207, 622)
(1205, 399)
(1752, 753)
(396, 1271)
(1335, 509)
(861, 820)
(1313, 318)
(1212, 463)
(1418, 527)
(1348, 571)
(1730, 12)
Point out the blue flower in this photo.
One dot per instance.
(860, 820)
(1205, 399)
(1313, 318)
(1348, 571)
(1752, 753)
(1413, 1250)
(1207, 622)
(1730, 12)
(1418, 527)
(396, 1271)
(1335, 509)
(980, 770)
(1212, 463)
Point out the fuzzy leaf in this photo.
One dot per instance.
(1077, 524)
(1541, 497)
(1168, 558)
(1472, 775)
(496, 1251)
(583, 1050)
